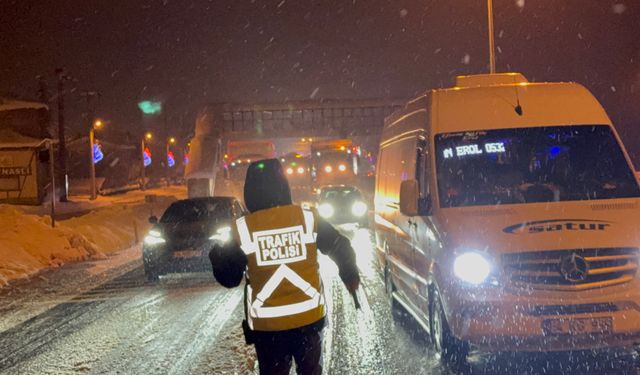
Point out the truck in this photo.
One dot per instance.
(334, 161)
(240, 153)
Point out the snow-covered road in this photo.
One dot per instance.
(84, 319)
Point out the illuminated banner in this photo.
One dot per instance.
(146, 155)
(97, 153)
(474, 149)
(171, 160)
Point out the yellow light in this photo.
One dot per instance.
(289, 170)
(342, 148)
(328, 169)
(226, 156)
(148, 136)
(310, 139)
(303, 140)
(342, 168)
(98, 123)
(172, 140)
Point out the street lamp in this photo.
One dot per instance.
(492, 53)
(147, 138)
(170, 141)
(95, 125)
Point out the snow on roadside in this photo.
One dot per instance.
(28, 244)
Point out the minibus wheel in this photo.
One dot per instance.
(447, 346)
(151, 271)
(389, 287)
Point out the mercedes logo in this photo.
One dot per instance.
(574, 268)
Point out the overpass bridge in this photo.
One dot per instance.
(306, 118)
(217, 123)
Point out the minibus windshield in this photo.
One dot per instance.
(528, 165)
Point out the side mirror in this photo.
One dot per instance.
(410, 202)
(153, 220)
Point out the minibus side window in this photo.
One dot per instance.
(381, 172)
(393, 174)
(421, 168)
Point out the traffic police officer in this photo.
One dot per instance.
(275, 248)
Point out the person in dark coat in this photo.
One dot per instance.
(274, 249)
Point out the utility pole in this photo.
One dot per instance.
(492, 50)
(62, 146)
(90, 95)
(53, 184)
(43, 94)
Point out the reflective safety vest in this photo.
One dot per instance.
(284, 290)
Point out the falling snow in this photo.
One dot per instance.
(314, 93)
(619, 8)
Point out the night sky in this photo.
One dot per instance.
(187, 53)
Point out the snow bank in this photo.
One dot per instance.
(28, 244)
(10, 105)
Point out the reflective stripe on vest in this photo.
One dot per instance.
(246, 243)
(256, 308)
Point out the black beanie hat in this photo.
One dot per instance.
(266, 186)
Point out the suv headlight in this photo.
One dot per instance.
(222, 234)
(325, 210)
(154, 238)
(472, 267)
(359, 209)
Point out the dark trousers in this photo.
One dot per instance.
(275, 351)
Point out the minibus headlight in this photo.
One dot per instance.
(289, 170)
(342, 167)
(325, 210)
(154, 238)
(472, 267)
(223, 235)
(359, 209)
(328, 169)
(300, 170)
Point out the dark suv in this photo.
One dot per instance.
(181, 239)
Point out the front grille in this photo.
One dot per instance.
(543, 269)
